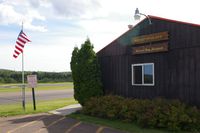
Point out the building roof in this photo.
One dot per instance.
(174, 21)
(153, 17)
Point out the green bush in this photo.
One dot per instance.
(108, 107)
(157, 113)
(85, 73)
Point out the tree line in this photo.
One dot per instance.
(9, 76)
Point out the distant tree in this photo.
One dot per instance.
(1, 80)
(8, 76)
(85, 73)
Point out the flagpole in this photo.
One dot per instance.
(23, 85)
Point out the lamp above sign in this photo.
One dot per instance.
(161, 36)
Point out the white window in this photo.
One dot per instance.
(143, 74)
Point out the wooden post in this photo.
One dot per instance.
(33, 94)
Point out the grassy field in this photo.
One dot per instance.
(41, 86)
(42, 106)
(130, 127)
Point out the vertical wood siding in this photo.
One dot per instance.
(177, 72)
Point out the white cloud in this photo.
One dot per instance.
(29, 26)
(75, 8)
(32, 14)
(30, 17)
(34, 3)
(9, 15)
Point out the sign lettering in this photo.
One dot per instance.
(161, 36)
(160, 47)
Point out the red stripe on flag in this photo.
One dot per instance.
(24, 37)
(17, 52)
(18, 48)
(20, 44)
(21, 40)
(14, 56)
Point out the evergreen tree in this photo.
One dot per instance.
(75, 72)
(85, 73)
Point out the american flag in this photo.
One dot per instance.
(22, 39)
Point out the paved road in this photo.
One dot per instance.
(48, 123)
(40, 84)
(15, 97)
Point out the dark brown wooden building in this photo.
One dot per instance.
(161, 59)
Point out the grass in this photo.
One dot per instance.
(130, 127)
(56, 86)
(42, 106)
(57, 83)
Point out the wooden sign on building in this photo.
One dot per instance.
(161, 36)
(160, 47)
(145, 46)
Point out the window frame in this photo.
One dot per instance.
(142, 65)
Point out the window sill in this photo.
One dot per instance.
(143, 85)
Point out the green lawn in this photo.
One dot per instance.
(45, 86)
(42, 106)
(130, 127)
(57, 83)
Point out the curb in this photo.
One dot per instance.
(67, 110)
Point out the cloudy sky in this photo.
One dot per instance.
(56, 26)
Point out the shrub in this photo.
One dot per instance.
(157, 113)
(106, 107)
(85, 73)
